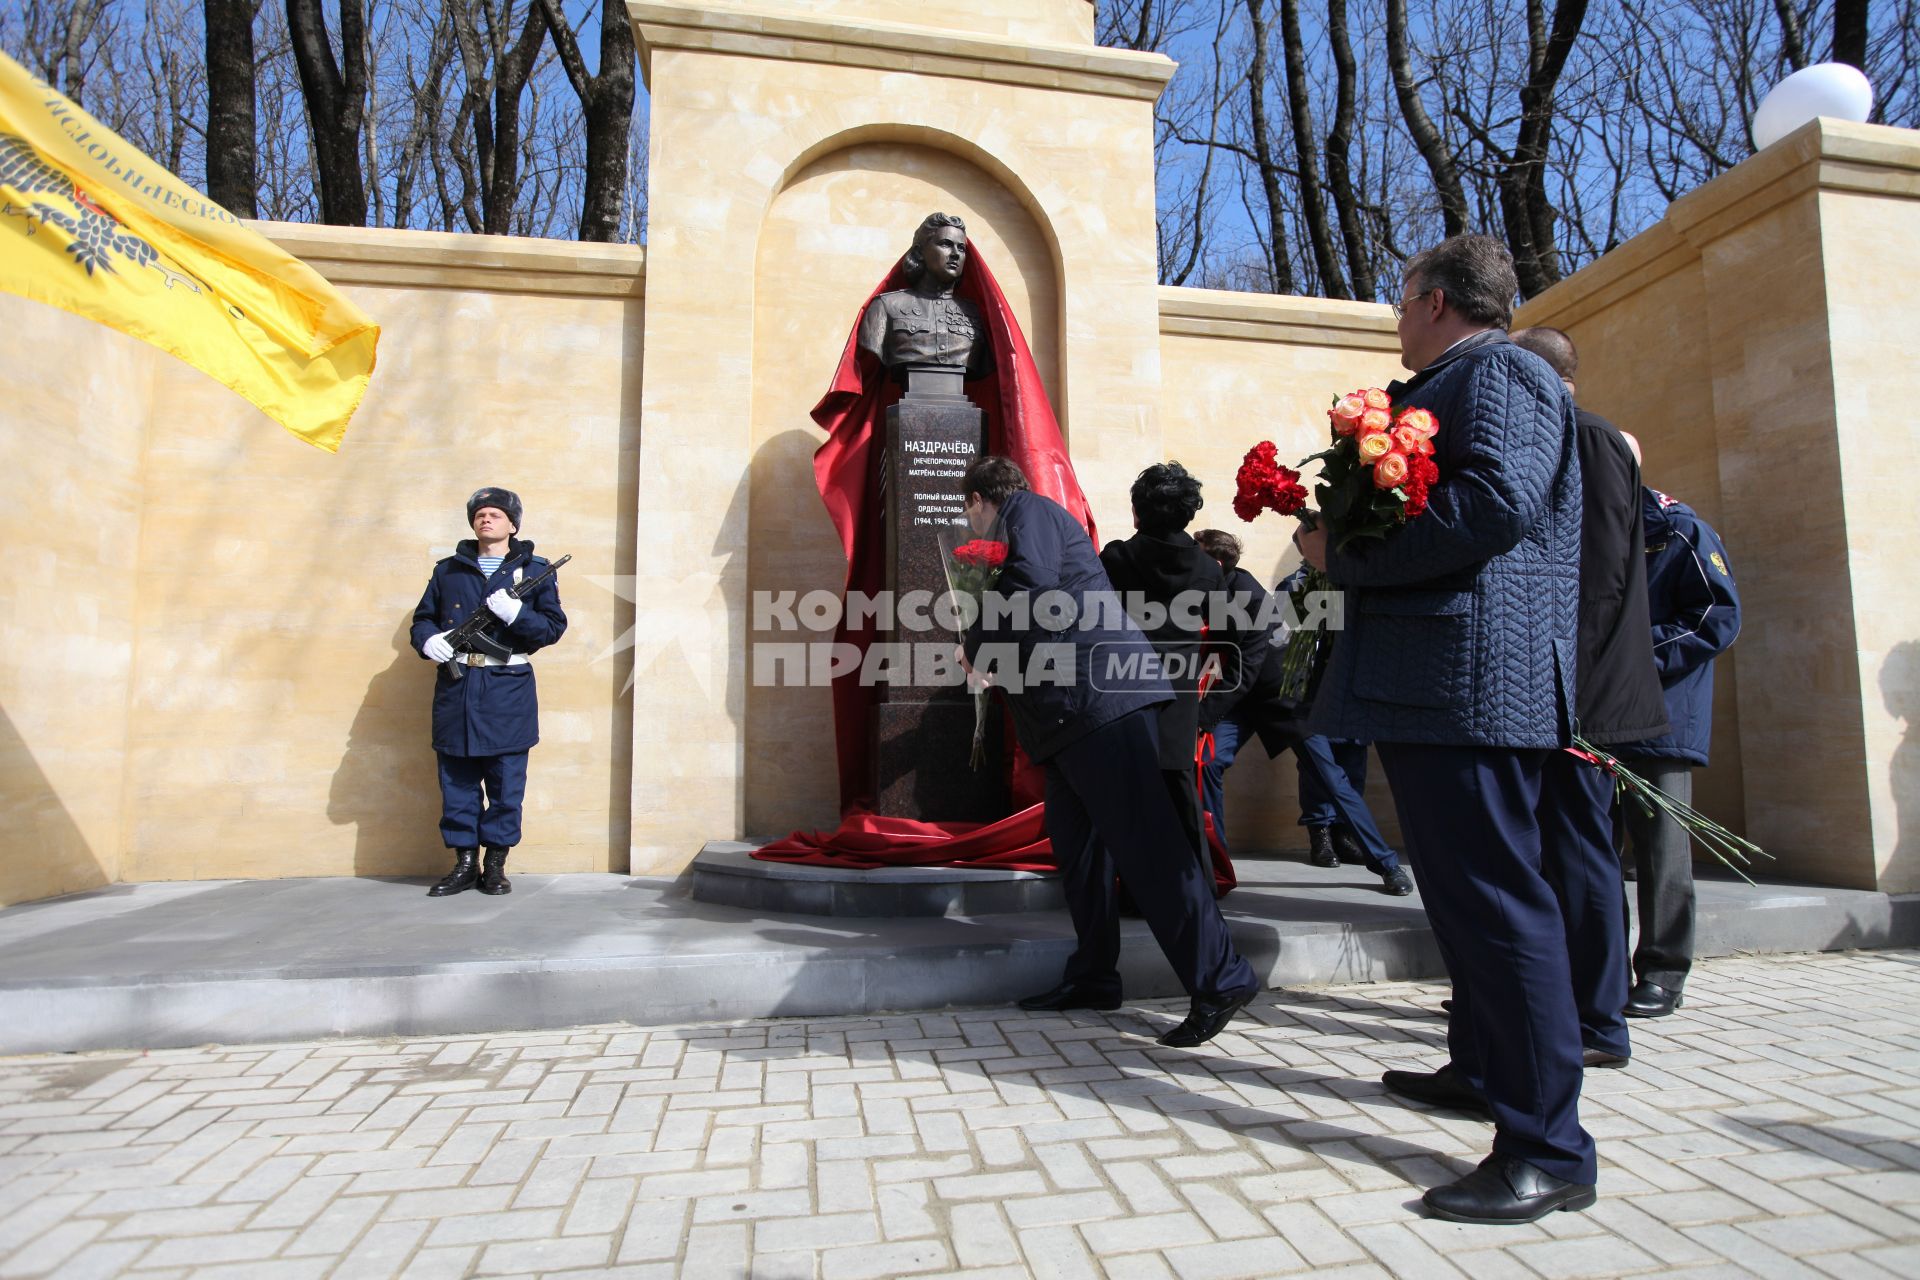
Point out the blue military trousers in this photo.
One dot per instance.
(480, 799)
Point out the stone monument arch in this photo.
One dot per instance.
(749, 102)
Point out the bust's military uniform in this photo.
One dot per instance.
(907, 327)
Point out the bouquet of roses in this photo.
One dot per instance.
(1374, 477)
(972, 567)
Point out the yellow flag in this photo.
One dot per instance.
(89, 224)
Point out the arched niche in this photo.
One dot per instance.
(834, 230)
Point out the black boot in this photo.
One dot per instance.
(463, 876)
(1346, 846)
(1320, 847)
(493, 878)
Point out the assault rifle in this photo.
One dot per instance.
(477, 622)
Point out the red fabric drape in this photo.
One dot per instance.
(1020, 425)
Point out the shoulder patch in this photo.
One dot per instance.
(1719, 564)
(1664, 500)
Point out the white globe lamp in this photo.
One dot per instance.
(1833, 89)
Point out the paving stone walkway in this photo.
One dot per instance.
(1772, 1128)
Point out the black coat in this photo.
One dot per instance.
(1106, 660)
(1619, 689)
(1255, 702)
(491, 711)
(1155, 569)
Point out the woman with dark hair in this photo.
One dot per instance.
(1159, 567)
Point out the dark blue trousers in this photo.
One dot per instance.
(469, 818)
(1576, 853)
(1333, 784)
(1325, 789)
(1470, 816)
(1108, 813)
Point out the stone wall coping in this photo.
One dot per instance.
(897, 47)
(450, 260)
(1264, 317)
(1821, 155)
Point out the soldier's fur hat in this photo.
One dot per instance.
(505, 499)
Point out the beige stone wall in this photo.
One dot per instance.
(1239, 369)
(1773, 300)
(1052, 21)
(73, 406)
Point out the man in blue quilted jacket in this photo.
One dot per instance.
(1458, 663)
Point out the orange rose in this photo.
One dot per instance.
(1346, 413)
(1420, 420)
(1377, 399)
(1375, 420)
(1389, 471)
(1376, 445)
(1407, 440)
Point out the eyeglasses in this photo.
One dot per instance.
(1400, 307)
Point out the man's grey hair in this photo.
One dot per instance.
(1474, 272)
(915, 263)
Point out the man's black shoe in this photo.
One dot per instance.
(1601, 1058)
(1206, 1019)
(1397, 883)
(1504, 1191)
(1320, 847)
(1071, 995)
(1446, 1006)
(1443, 1088)
(1650, 1000)
(1346, 846)
(464, 876)
(493, 873)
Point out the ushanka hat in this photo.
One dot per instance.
(505, 499)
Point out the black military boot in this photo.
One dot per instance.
(1320, 847)
(493, 878)
(1346, 846)
(463, 876)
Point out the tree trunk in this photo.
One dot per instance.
(336, 97)
(1792, 43)
(1339, 162)
(1313, 201)
(607, 103)
(1524, 207)
(1278, 257)
(232, 167)
(1850, 32)
(1426, 138)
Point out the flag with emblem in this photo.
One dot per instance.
(90, 225)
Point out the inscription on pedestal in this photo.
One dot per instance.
(923, 737)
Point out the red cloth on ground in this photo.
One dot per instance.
(1020, 425)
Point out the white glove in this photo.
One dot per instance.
(504, 606)
(436, 648)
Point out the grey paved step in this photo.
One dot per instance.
(235, 962)
(727, 873)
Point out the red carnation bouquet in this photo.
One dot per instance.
(972, 568)
(1374, 477)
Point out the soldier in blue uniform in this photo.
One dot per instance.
(485, 722)
(1695, 614)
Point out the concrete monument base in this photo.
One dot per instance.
(727, 874)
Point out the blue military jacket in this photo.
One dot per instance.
(1109, 668)
(1460, 625)
(493, 711)
(1695, 611)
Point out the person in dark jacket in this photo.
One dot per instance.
(1255, 709)
(1457, 662)
(1168, 585)
(485, 722)
(1084, 689)
(1619, 701)
(1695, 612)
